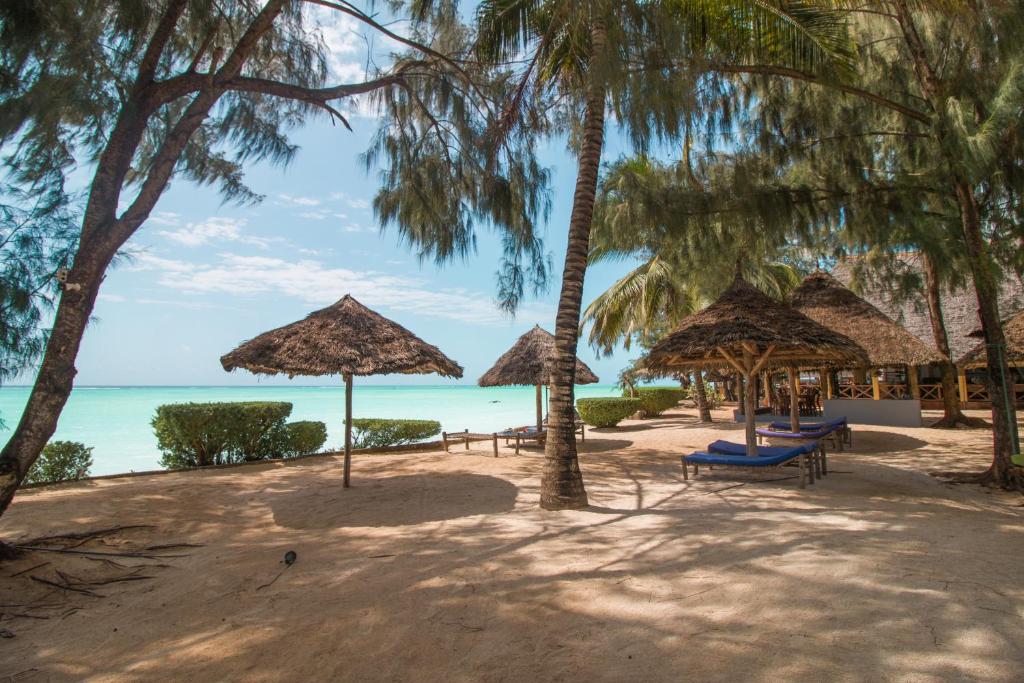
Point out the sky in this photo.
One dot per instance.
(201, 277)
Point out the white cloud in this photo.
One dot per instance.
(113, 298)
(354, 227)
(352, 202)
(217, 229)
(297, 201)
(165, 218)
(318, 285)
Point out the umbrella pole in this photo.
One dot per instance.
(540, 408)
(348, 428)
(794, 400)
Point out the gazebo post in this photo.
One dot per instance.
(540, 408)
(794, 400)
(348, 429)
(915, 387)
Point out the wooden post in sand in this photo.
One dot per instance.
(348, 429)
(794, 400)
(540, 408)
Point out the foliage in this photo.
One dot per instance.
(304, 437)
(607, 411)
(381, 433)
(656, 400)
(61, 461)
(201, 434)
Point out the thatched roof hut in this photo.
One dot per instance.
(530, 362)
(747, 330)
(345, 339)
(745, 317)
(824, 299)
(959, 305)
(1013, 330)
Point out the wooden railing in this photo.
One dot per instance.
(855, 391)
(931, 392)
(979, 392)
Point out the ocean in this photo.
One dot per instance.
(115, 421)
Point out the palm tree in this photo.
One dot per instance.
(585, 54)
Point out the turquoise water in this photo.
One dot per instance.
(115, 421)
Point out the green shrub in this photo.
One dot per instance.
(380, 433)
(303, 438)
(200, 434)
(657, 400)
(61, 461)
(607, 412)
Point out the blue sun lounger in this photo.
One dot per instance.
(746, 462)
(814, 450)
(839, 428)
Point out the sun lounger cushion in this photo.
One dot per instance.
(729, 448)
(821, 434)
(827, 425)
(701, 458)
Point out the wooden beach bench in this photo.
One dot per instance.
(468, 436)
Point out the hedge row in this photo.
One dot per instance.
(607, 412)
(200, 434)
(372, 432)
(657, 400)
(61, 461)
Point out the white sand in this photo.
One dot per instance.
(442, 567)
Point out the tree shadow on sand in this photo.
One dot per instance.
(392, 501)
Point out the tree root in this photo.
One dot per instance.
(961, 421)
(1014, 479)
(9, 552)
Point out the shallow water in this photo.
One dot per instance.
(116, 420)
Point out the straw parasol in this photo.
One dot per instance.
(345, 338)
(530, 362)
(824, 299)
(1013, 330)
(747, 330)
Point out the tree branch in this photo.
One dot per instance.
(785, 72)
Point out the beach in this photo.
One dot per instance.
(440, 566)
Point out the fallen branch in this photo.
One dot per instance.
(83, 591)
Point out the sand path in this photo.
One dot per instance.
(441, 567)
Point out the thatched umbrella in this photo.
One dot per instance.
(530, 361)
(748, 330)
(345, 338)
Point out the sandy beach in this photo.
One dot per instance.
(441, 567)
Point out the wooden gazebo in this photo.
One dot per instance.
(746, 330)
(344, 339)
(977, 357)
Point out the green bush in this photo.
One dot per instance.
(380, 433)
(657, 400)
(61, 461)
(607, 412)
(200, 434)
(303, 438)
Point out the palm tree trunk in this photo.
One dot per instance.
(561, 486)
(700, 392)
(952, 415)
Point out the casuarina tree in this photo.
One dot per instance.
(140, 92)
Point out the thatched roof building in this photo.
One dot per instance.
(959, 306)
(1013, 330)
(745, 316)
(344, 338)
(529, 363)
(824, 299)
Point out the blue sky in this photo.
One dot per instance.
(203, 277)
